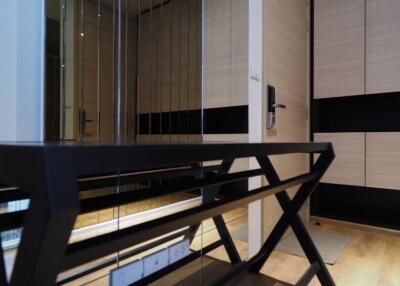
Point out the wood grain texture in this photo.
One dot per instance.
(348, 168)
(383, 46)
(170, 54)
(95, 70)
(339, 56)
(285, 67)
(367, 260)
(225, 53)
(106, 84)
(383, 160)
(87, 76)
(372, 257)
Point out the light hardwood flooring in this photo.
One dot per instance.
(372, 258)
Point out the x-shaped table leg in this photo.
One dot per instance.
(291, 217)
(209, 195)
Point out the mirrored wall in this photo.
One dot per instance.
(123, 71)
(144, 71)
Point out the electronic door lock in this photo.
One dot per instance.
(279, 106)
(271, 110)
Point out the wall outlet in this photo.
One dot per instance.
(139, 269)
(179, 251)
(127, 274)
(155, 261)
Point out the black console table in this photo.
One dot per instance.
(53, 175)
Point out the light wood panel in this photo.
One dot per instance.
(383, 160)
(239, 53)
(383, 46)
(106, 84)
(95, 70)
(217, 36)
(131, 55)
(87, 76)
(225, 53)
(339, 30)
(170, 62)
(348, 168)
(285, 67)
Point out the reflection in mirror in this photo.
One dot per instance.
(131, 71)
(123, 70)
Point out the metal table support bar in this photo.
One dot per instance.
(53, 175)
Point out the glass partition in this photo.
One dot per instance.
(124, 71)
(134, 71)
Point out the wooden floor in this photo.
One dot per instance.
(372, 258)
(211, 272)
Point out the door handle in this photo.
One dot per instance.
(279, 106)
(82, 121)
(272, 106)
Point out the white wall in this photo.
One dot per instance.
(22, 30)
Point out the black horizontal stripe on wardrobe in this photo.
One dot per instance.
(364, 205)
(223, 120)
(358, 113)
(362, 113)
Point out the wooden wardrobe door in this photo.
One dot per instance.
(348, 168)
(383, 46)
(383, 160)
(339, 48)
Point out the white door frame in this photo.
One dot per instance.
(256, 120)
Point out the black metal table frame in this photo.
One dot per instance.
(53, 175)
